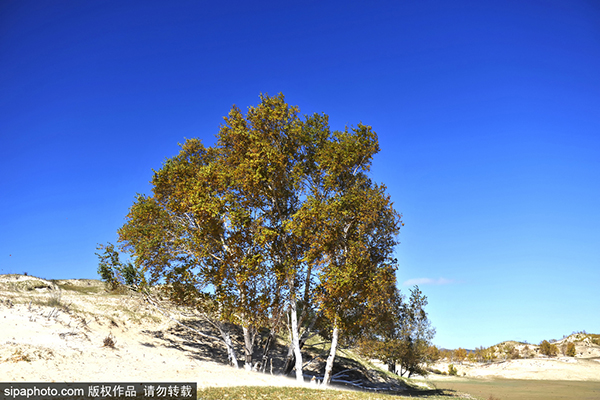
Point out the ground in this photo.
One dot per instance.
(49, 338)
(76, 331)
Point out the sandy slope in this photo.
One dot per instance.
(39, 342)
(43, 343)
(535, 368)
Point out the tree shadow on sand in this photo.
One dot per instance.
(348, 373)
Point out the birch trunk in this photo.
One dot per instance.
(230, 351)
(296, 341)
(331, 358)
(248, 347)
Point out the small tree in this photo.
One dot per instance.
(406, 344)
(434, 354)
(472, 357)
(447, 354)
(108, 264)
(571, 351)
(115, 273)
(460, 354)
(548, 349)
(510, 352)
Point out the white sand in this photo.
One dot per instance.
(569, 369)
(40, 343)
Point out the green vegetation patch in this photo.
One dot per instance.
(296, 393)
(27, 285)
(81, 288)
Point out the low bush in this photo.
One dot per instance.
(452, 370)
(109, 341)
(571, 350)
(548, 349)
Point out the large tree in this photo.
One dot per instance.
(279, 217)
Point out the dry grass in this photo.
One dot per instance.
(83, 289)
(109, 341)
(521, 389)
(296, 393)
(19, 355)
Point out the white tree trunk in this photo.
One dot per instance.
(296, 341)
(230, 351)
(331, 358)
(248, 347)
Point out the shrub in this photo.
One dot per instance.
(54, 300)
(452, 370)
(571, 349)
(527, 353)
(548, 349)
(109, 341)
(19, 355)
(513, 353)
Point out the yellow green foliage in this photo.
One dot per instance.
(548, 349)
(571, 349)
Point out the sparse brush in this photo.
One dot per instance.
(19, 355)
(492, 397)
(109, 341)
(452, 370)
(54, 300)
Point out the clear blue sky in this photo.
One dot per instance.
(488, 115)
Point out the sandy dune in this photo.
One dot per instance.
(53, 334)
(535, 368)
(43, 343)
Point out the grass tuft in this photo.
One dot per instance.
(54, 299)
(109, 341)
(19, 355)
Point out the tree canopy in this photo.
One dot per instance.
(277, 222)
